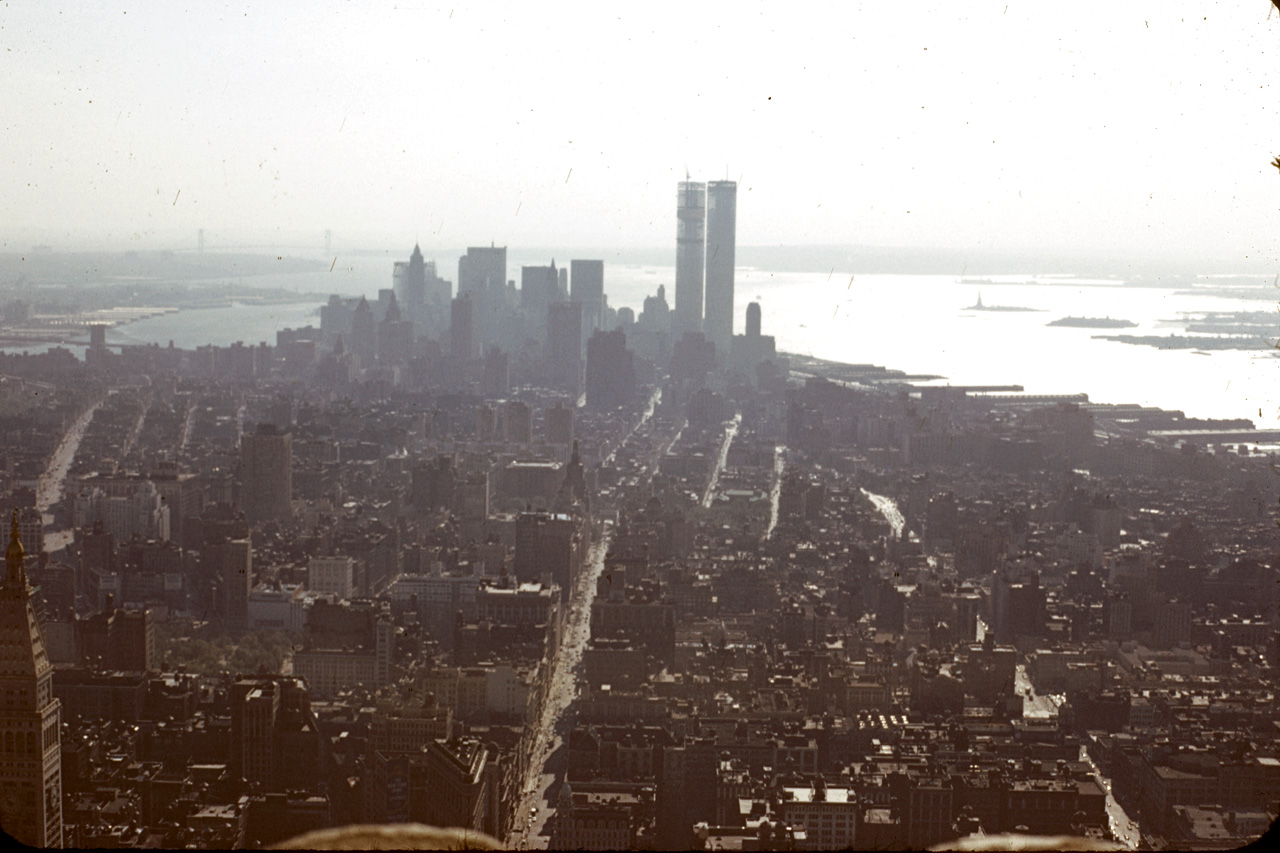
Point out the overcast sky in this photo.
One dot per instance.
(1106, 125)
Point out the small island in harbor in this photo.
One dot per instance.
(1093, 323)
(1192, 342)
(978, 306)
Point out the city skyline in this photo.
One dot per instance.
(932, 501)
(998, 127)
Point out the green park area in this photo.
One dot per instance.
(209, 653)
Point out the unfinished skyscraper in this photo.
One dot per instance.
(691, 221)
(722, 207)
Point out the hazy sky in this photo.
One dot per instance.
(1111, 125)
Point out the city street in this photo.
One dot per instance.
(55, 474)
(1035, 705)
(1124, 828)
(532, 825)
(730, 432)
(531, 830)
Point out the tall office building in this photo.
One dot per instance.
(31, 531)
(564, 345)
(395, 336)
(482, 273)
(586, 285)
(266, 474)
(363, 337)
(753, 320)
(539, 287)
(749, 350)
(231, 561)
(422, 294)
(482, 270)
(30, 726)
(462, 328)
(548, 544)
(722, 212)
(558, 425)
(611, 375)
(409, 281)
(586, 280)
(496, 381)
(517, 422)
(691, 222)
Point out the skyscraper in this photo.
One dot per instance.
(586, 285)
(611, 375)
(482, 269)
(363, 339)
(517, 422)
(722, 212)
(496, 380)
(395, 336)
(266, 474)
(691, 209)
(410, 281)
(749, 350)
(559, 425)
(586, 280)
(539, 287)
(482, 273)
(232, 561)
(564, 345)
(30, 725)
(462, 329)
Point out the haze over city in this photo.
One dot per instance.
(1089, 127)
(660, 428)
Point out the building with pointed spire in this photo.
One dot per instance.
(409, 280)
(30, 740)
(395, 336)
(573, 489)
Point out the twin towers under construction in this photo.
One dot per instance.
(705, 241)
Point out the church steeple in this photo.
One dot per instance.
(574, 485)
